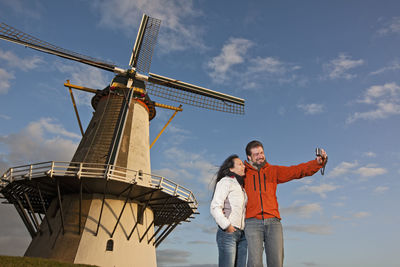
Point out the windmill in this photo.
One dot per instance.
(105, 207)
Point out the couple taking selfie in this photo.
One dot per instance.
(245, 207)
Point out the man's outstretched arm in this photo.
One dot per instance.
(286, 174)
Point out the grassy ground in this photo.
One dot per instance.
(8, 261)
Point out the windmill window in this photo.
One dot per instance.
(110, 245)
(140, 213)
(140, 174)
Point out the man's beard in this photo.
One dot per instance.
(259, 165)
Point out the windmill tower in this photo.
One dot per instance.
(105, 207)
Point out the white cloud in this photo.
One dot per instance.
(232, 53)
(311, 229)
(309, 180)
(41, 140)
(5, 78)
(262, 69)
(381, 189)
(356, 215)
(182, 166)
(339, 67)
(392, 67)
(338, 217)
(270, 66)
(177, 33)
(86, 76)
(3, 164)
(267, 65)
(234, 60)
(176, 129)
(31, 9)
(179, 137)
(174, 134)
(376, 92)
(361, 214)
(165, 257)
(321, 189)
(15, 61)
(382, 111)
(174, 174)
(311, 108)
(385, 100)
(343, 168)
(370, 154)
(304, 211)
(187, 165)
(49, 125)
(206, 228)
(369, 171)
(391, 26)
(5, 117)
(14, 238)
(338, 204)
(352, 168)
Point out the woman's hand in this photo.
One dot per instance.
(230, 229)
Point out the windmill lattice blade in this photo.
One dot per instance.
(193, 95)
(11, 34)
(145, 43)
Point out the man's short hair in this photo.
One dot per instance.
(252, 145)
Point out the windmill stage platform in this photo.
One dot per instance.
(31, 188)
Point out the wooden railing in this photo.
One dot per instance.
(93, 170)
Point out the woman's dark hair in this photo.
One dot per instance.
(224, 168)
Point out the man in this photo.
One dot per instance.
(262, 226)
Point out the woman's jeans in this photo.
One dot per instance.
(232, 248)
(265, 234)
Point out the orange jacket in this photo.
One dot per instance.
(260, 186)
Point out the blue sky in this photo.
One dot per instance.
(313, 73)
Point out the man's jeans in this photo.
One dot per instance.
(232, 248)
(265, 233)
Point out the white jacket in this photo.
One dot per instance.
(228, 205)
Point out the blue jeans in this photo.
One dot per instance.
(265, 234)
(232, 248)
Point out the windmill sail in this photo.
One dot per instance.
(194, 95)
(11, 34)
(145, 43)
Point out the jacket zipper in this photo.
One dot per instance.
(262, 208)
(265, 183)
(254, 182)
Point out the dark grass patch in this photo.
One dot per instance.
(9, 261)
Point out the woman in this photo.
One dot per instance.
(228, 207)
